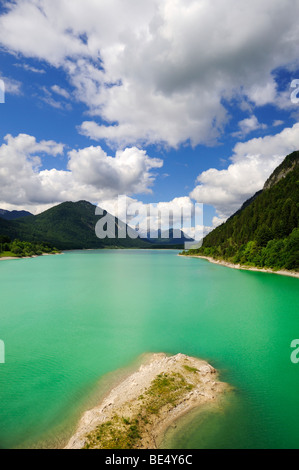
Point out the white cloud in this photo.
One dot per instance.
(249, 125)
(252, 163)
(263, 93)
(128, 172)
(20, 162)
(157, 71)
(11, 86)
(269, 146)
(218, 221)
(47, 97)
(29, 68)
(28, 21)
(91, 174)
(60, 91)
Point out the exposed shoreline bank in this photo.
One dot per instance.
(243, 267)
(137, 412)
(8, 258)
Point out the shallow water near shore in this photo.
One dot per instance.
(69, 320)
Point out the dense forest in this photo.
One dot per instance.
(19, 249)
(264, 232)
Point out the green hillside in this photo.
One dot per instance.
(264, 232)
(67, 226)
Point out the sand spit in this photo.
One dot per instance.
(245, 268)
(138, 411)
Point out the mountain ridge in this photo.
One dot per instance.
(13, 215)
(69, 225)
(288, 165)
(264, 232)
(73, 225)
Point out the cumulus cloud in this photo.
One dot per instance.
(159, 71)
(20, 162)
(91, 174)
(128, 172)
(252, 163)
(249, 125)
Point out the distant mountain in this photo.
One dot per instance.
(72, 225)
(173, 237)
(264, 232)
(12, 215)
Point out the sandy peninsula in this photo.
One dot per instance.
(243, 267)
(137, 412)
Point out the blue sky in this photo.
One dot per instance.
(170, 101)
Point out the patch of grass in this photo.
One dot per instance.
(118, 433)
(166, 390)
(7, 254)
(190, 369)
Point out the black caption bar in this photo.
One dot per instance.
(142, 459)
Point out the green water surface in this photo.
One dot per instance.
(69, 320)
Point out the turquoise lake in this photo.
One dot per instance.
(67, 321)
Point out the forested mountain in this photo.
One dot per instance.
(70, 225)
(264, 232)
(12, 215)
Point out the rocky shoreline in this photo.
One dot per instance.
(243, 267)
(138, 411)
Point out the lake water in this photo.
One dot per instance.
(69, 320)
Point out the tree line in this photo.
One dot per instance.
(20, 249)
(265, 232)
